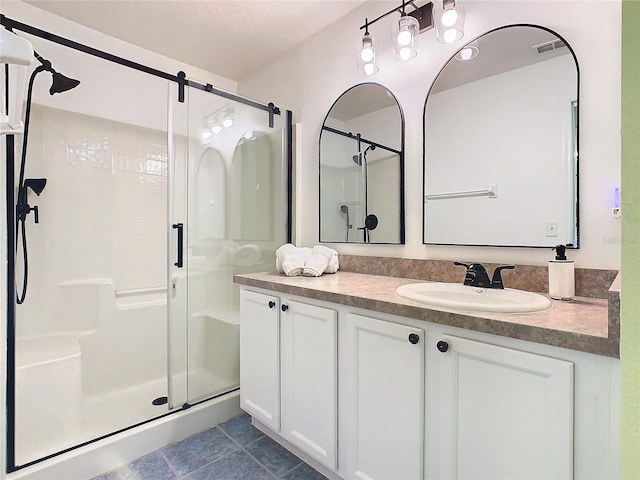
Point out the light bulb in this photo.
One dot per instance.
(449, 17)
(206, 136)
(450, 35)
(369, 68)
(404, 38)
(466, 53)
(217, 128)
(227, 122)
(367, 54)
(405, 53)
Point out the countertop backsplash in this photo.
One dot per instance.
(594, 283)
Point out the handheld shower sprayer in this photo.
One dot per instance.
(59, 84)
(344, 209)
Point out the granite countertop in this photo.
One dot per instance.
(586, 324)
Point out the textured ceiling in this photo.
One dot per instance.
(229, 38)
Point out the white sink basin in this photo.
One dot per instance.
(463, 297)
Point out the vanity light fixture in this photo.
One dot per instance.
(449, 20)
(227, 121)
(206, 135)
(216, 122)
(447, 15)
(367, 52)
(404, 30)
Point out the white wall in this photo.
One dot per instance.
(311, 77)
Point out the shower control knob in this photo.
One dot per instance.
(414, 338)
(272, 304)
(442, 346)
(284, 308)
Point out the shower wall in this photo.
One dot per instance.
(102, 214)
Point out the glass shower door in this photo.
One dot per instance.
(235, 210)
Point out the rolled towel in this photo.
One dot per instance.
(290, 260)
(334, 265)
(284, 250)
(318, 261)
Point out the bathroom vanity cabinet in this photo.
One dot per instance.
(503, 412)
(382, 390)
(373, 395)
(288, 370)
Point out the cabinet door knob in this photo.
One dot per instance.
(442, 346)
(414, 338)
(272, 304)
(284, 308)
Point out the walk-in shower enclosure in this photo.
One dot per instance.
(158, 190)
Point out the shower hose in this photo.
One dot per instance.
(21, 217)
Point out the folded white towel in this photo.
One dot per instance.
(318, 261)
(290, 260)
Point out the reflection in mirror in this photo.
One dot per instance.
(209, 196)
(361, 168)
(252, 176)
(501, 143)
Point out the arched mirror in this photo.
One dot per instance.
(501, 143)
(252, 180)
(209, 197)
(361, 168)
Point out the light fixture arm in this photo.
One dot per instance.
(401, 9)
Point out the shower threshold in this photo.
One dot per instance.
(116, 411)
(94, 458)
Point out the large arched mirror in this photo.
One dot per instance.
(361, 168)
(501, 143)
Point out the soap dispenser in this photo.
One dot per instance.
(561, 276)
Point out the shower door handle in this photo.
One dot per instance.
(180, 228)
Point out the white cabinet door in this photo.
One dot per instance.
(309, 379)
(260, 357)
(384, 370)
(505, 413)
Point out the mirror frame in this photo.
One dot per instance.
(577, 140)
(402, 239)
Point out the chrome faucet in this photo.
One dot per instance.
(477, 275)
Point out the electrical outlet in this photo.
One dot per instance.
(552, 228)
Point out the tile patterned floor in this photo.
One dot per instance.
(233, 450)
